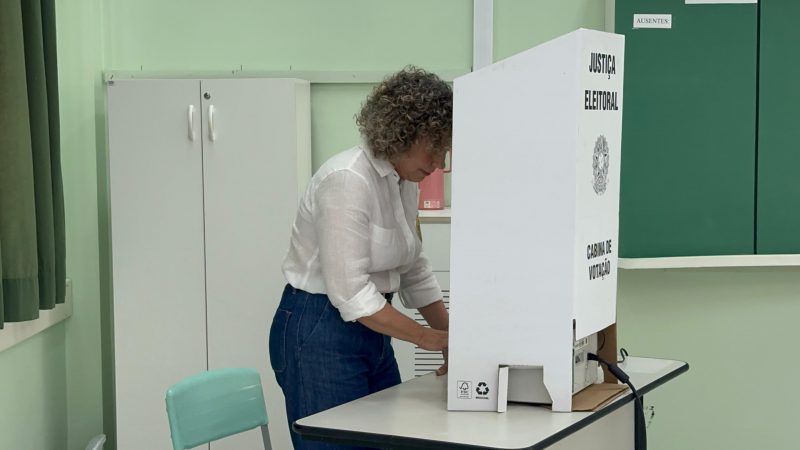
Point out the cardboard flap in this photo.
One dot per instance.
(596, 396)
(608, 350)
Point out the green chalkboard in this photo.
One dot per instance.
(778, 181)
(689, 130)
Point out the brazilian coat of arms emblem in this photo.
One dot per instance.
(600, 161)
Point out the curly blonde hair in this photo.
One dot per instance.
(406, 107)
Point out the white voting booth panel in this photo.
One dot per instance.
(535, 204)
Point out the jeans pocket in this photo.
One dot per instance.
(277, 340)
(312, 318)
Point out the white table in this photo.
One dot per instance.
(413, 415)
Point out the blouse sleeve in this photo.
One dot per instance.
(418, 285)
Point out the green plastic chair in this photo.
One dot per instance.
(215, 404)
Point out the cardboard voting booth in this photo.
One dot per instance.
(535, 201)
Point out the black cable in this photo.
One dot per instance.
(640, 430)
(623, 353)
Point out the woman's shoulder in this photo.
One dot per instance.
(345, 159)
(350, 160)
(350, 164)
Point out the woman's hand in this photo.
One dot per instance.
(436, 316)
(432, 340)
(443, 370)
(391, 322)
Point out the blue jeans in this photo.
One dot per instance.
(321, 361)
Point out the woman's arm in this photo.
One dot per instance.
(393, 323)
(436, 315)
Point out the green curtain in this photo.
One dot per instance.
(32, 243)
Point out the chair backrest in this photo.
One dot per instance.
(214, 404)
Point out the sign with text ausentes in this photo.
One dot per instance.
(652, 21)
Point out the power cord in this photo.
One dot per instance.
(640, 429)
(622, 353)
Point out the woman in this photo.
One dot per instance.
(353, 246)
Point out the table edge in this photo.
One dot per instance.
(402, 443)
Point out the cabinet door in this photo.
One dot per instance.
(251, 191)
(156, 202)
(778, 218)
(688, 133)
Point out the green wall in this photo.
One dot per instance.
(278, 35)
(53, 380)
(735, 327)
(521, 24)
(351, 35)
(33, 392)
(80, 57)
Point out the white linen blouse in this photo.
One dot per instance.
(354, 237)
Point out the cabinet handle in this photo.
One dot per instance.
(212, 132)
(191, 123)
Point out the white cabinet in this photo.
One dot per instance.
(204, 179)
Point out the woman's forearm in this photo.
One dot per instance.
(436, 315)
(392, 322)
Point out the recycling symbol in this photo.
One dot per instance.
(482, 388)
